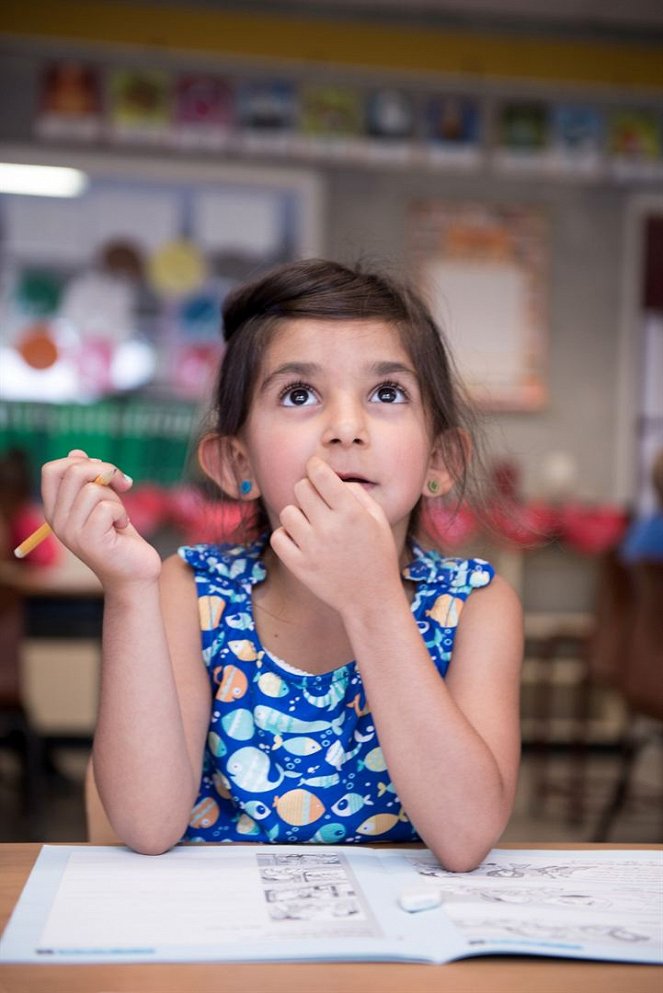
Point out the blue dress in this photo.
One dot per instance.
(293, 757)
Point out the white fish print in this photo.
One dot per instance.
(242, 622)
(336, 756)
(350, 804)
(270, 719)
(297, 746)
(249, 768)
(321, 781)
(333, 696)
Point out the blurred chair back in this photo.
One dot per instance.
(642, 683)
(610, 643)
(99, 831)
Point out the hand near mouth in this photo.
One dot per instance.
(337, 540)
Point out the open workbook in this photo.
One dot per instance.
(252, 903)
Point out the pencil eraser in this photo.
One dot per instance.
(414, 900)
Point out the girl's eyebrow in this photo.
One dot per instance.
(301, 369)
(391, 369)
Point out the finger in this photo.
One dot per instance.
(295, 524)
(284, 547)
(330, 486)
(365, 499)
(310, 501)
(78, 494)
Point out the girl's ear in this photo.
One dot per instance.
(449, 457)
(225, 461)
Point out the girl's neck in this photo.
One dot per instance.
(296, 626)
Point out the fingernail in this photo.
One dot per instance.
(128, 478)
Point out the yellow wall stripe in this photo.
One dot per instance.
(340, 43)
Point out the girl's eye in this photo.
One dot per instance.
(297, 396)
(389, 393)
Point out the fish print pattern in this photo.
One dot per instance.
(291, 756)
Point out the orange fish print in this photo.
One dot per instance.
(205, 813)
(210, 611)
(446, 610)
(234, 684)
(381, 823)
(299, 807)
(354, 705)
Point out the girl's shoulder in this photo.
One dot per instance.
(438, 573)
(228, 566)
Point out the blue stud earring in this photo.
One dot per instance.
(245, 487)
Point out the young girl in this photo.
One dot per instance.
(353, 685)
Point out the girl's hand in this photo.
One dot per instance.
(91, 521)
(338, 542)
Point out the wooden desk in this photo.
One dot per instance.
(479, 975)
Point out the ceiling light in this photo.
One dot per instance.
(41, 181)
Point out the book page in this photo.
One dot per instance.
(577, 904)
(216, 902)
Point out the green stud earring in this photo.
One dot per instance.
(433, 486)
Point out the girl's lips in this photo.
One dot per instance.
(349, 478)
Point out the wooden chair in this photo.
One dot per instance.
(16, 730)
(639, 680)
(99, 830)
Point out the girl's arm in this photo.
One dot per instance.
(154, 710)
(154, 699)
(452, 746)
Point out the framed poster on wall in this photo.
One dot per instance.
(483, 269)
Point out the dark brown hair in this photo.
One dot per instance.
(320, 289)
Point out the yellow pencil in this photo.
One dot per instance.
(44, 530)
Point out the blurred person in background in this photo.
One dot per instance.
(644, 538)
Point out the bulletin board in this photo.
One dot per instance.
(110, 302)
(483, 270)
(120, 289)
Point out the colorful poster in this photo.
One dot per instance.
(524, 126)
(390, 114)
(70, 101)
(577, 131)
(334, 111)
(484, 269)
(267, 105)
(452, 120)
(203, 111)
(204, 101)
(140, 104)
(635, 134)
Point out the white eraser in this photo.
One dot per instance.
(414, 900)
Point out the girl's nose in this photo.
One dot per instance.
(346, 425)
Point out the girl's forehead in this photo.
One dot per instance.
(306, 337)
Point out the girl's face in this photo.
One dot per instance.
(347, 392)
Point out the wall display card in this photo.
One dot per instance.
(523, 135)
(577, 140)
(270, 903)
(452, 129)
(140, 105)
(331, 120)
(484, 271)
(70, 101)
(635, 143)
(390, 114)
(203, 111)
(268, 113)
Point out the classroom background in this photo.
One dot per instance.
(505, 156)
